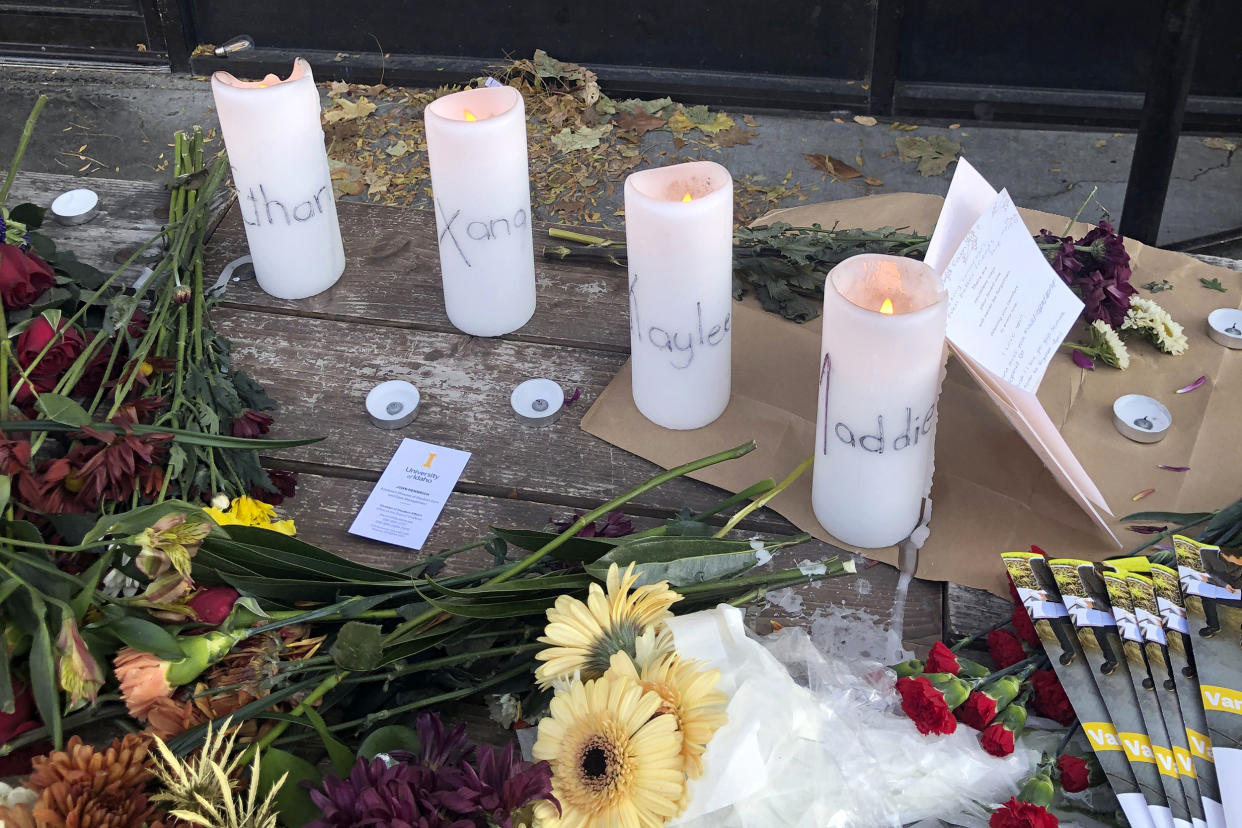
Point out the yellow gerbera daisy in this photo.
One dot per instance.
(581, 638)
(688, 692)
(615, 760)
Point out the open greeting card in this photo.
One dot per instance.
(1009, 312)
(1026, 451)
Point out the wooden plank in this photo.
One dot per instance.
(969, 610)
(325, 506)
(392, 278)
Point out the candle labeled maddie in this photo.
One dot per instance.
(480, 181)
(276, 152)
(879, 380)
(679, 241)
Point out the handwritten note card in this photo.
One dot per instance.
(1007, 307)
(1008, 313)
(410, 494)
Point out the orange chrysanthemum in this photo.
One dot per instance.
(82, 786)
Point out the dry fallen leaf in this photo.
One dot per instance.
(837, 168)
(955, 126)
(1101, 143)
(639, 122)
(898, 125)
(344, 110)
(398, 149)
(1220, 144)
(865, 120)
(733, 136)
(337, 88)
(934, 155)
(749, 120)
(679, 124)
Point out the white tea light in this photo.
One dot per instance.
(276, 152)
(879, 383)
(537, 402)
(1141, 418)
(679, 242)
(393, 404)
(480, 183)
(75, 207)
(1225, 327)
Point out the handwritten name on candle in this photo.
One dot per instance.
(477, 229)
(270, 211)
(673, 342)
(874, 442)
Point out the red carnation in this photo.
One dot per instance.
(997, 739)
(925, 705)
(213, 604)
(24, 277)
(1049, 699)
(977, 710)
(1005, 648)
(1018, 814)
(1075, 775)
(1023, 626)
(941, 660)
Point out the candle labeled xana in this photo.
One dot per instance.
(276, 153)
(882, 354)
(480, 183)
(679, 243)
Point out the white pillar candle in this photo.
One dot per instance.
(679, 242)
(480, 181)
(276, 151)
(879, 380)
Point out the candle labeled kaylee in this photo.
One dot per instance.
(480, 181)
(879, 379)
(679, 242)
(276, 152)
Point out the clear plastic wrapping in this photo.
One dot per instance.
(815, 741)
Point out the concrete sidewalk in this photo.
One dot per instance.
(119, 124)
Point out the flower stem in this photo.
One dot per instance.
(381, 715)
(581, 238)
(760, 502)
(315, 695)
(971, 639)
(27, 132)
(1070, 224)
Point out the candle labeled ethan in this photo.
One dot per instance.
(480, 183)
(276, 153)
(881, 359)
(679, 242)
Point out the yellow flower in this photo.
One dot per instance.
(581, 638)
(248, 511)
(688, 693)
(616, 761)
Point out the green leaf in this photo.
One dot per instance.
(387, 739)
(293, 800)
(308, 555)
(358, 646)
(43, 681)
(1217, 530)
(508, 609)
(1177, 518)
(8, 702)
(28, 214)
(1213, 284)
(90, 581)
(680, 560)
(143, 635)
(581, 550)
(61, 409)
(6, 485)
(189, 438)
(341, 756)
(134, 521)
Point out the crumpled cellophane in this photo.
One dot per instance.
(818, 742)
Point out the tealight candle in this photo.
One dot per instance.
(75, 206)
(537, 402)
(679, 242)
(480, 182)
(1225, 327)
(280, 168)
(393, 404)
(879, 380)
(1141, 418)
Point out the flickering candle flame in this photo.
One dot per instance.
(469, 115)
(887, 307)
(687, 197)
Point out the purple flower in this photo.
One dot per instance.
(615, 525)
(1097, 268)
(502, 785)
(375, 794)
(439, 748)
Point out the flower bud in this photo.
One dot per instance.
(954, 689)
(221, 502)
(1038, 790)
(213, 605)
(182, 295)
